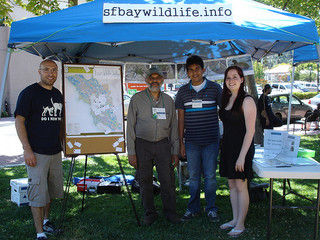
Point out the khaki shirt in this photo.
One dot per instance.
(141, 124)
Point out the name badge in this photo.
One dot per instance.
(196, 103)
(159, 113)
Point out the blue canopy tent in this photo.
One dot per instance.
(305, 54)
(78, 34)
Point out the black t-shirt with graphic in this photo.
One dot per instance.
(42, 109)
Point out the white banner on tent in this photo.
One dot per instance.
(120, 13)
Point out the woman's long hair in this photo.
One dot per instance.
(226, 93)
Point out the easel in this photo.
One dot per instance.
(69, 180)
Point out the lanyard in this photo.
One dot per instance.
(151, 100)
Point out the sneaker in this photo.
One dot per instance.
(188, 215)
(213, 216)
(187, 183)
(49, 228)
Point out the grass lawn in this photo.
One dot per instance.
(110, 216)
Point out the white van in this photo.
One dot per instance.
(283, 87)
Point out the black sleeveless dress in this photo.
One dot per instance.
(234, 129)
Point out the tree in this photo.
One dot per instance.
(309, 8)
(306, 72)
(5, 10)
(37, 7)
(258, 72)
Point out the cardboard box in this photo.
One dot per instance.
(19, 189)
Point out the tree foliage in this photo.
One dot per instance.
(258, 72)
(306, 72)
(5, 11)
(41, 7)
(37, 7)
(309, 8)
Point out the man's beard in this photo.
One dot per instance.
(154, 87)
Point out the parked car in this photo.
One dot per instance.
(280, 106)
(314, 100)
(312, 87)
(126, 101)
(301, 87)
(284, 87)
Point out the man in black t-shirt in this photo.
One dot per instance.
(38, 123)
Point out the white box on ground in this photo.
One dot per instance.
(19, 189)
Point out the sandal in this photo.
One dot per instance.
(226, 226)
(236, 233)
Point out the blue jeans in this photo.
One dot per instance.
(202, 159)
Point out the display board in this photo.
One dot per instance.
(93, 99)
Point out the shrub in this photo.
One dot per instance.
(305, 95)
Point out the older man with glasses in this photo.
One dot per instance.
(152, 139)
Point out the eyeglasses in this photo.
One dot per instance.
(47, 70)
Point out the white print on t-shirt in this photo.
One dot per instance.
(47, 110)
(57, 106)
(52, 113)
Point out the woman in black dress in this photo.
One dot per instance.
(238, 114)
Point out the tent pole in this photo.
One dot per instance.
(318, 51)
(318, 77)
(290, 99)
(4, 77)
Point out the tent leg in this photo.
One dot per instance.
(318, 51)
(65, 196)
(290, 99)
(84, 183)
(128, 190)
(4, 77)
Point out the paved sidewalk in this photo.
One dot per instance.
(11, 152)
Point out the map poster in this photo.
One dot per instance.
(93, 98)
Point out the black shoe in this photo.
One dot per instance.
(188, 215)
(50, 228)
(174, 220)
(150, 219)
